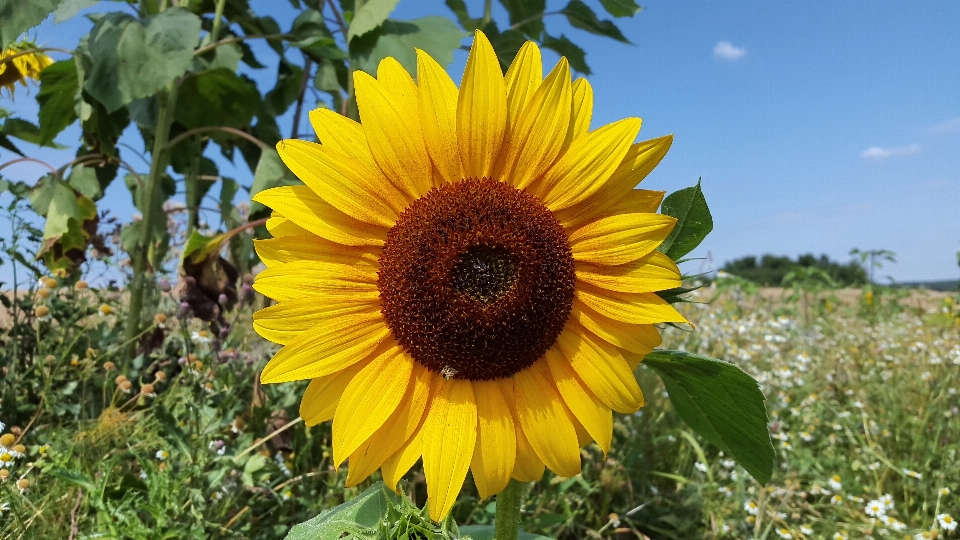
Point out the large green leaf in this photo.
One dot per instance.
(59, 85)
(694, 221)
(356, 516)
(621, 8)
(130, 59)
(285, 92)
(581, 16)
(721, 403)
(485, 532)
(437, 36)
(528, 14)
(270, 173)
(25, 131)
(18, 16)
(574, 54)
(369, 17)
(217, 98)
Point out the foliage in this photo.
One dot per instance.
(771, 269)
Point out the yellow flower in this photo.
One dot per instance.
(21, 68)
(468, 276)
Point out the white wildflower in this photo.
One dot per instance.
(876, 509)
(834, 483)
(700, 467)
(806, 530)
(784, 533)
(751, 508)
(947, 522)
(162, 455)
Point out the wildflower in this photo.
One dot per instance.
(126, 387)
(148, 390)
(784, 533)
(700, 467)
(104, 310)
(6, 460)
(944, 491)
(751, 508)
(23, 485)
(160, 319)
(286, 495)
(4, 507)
(876, 509)
(18, 451)
(836, 499)
(834, 483)
(48, 282)
(725, 491)
(7, 439)
(806, 436)
(751, 520)
(874, 466)
(81, 285)
(160, 376)
(785, 445)
(202, 337)
(436, 287)
(947, 522)
(42, 313)
(806, 530)
(2, 426)
(728, 464)
(894, 523)
(43, 292)
(109, 366)
(162, 455)
(913, 474)
(4, 475)
(216, 496)
(839, 536)
(217, 446)
(887, 501)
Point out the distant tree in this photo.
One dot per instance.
(772, 269)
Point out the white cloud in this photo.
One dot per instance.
(946, 127)
(726, 51)
(877, 154)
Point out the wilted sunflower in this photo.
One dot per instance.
(21, 68)
(468, 275)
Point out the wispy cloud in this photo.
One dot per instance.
(877, 153)
(946, 127)
(727, 51)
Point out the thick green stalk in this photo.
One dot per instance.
(192, 185)
(217, 18)
(507, 521)
(152, 213)
(487, 15)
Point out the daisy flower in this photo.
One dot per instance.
(946, 522)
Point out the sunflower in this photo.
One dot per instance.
(468, 276)
(22, 67)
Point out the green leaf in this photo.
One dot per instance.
(270, 173)
(128, 59)
(528, 12)
(459, 8)
(286, 91)
(621, 8)
(721, 403)
(76, 479)
(84, 180)
(5, 142)
(59, 85)
(369, 17)
(18, 16)
(357, 516)
(694, 221)
(581, 16)
(574, 54)
(217, 98)
(25, 131)
(485, 532)
(69, 8)
(171, 430)
(437, 36)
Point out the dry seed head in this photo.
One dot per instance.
(120, 379)
(41, 311)
(51, 358)
(161, 376)
(198, 365)
(23, 483)
(160, 318)
(20, 449)
(105, 309)
(126, 386)
(109, 366)
(49, 282)
(4, 474)
(7, 439)
(147, 389)
(192, 357)
(43, 292)
(81, 285)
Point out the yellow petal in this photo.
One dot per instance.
(595, 417)
(396, 431)
(302, 206)
(633, 202)
(403, 459)
(546, 421)
(582, 108)
(394, 135)
(282, 323)
(481, 110)
(536, 139)
(286, 249)
(621, 238)
(587, 164)
(319, 402)
(343, 135)
(450, 436)
(636, 338)
(300, 279)
(438, 116)
(326, 349)
(279, 226)
(527, 467)
(522, 80)
(399, 83)
(347, 184)
(602, 369)
(369, 400)
(496, 449)
(653, 272)
(636, 308)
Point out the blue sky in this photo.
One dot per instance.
(816, 126)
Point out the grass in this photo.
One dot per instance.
(181, 442)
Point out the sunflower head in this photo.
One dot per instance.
(467, 276)
(17, 66)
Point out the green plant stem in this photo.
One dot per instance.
(166, 100)
(217, 18)
(192, 185)
(507, 521)
(487, 16)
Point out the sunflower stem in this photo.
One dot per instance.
(507, 521)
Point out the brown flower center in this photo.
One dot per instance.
(476, 280)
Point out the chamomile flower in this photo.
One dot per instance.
(806, 530)
(202, 337)
(835, 483)
(876, 509)
(947, 522)
(6, 460)
(887, 501)
(784, 533)
(806, 436)
(162, 455)
(751, 508)
(728, 464)
(839, 536)
(836, 500)
(725, 490)
(944, 491)
(894, 523)
(700, 467)
(913, 474)
(4, 507)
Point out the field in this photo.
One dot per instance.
(182, 443)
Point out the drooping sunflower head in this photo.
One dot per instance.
(18, 67)
(468, 276)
